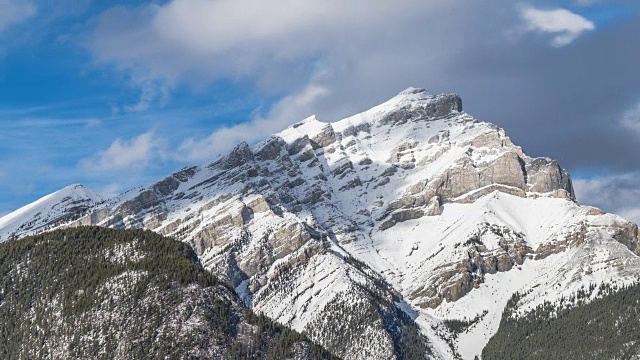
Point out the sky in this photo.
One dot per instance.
(118, 94)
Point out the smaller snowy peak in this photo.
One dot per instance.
(60, 206)
(79, 191)
(421, 97)
(309, 127)
(310, 120)
(406, 97)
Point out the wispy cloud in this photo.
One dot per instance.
(563, 25)
(111, 189)
(15, 11)
(285, 112)
(585, 2)
(631, 118)
(137, 152)
(615, 193)
(268, 43)
(35, 122)
(151, 91)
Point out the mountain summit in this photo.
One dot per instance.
(374, 234)
(48, 212)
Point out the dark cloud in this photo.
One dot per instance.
(564, 103)
(618, 194)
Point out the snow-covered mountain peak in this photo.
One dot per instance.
(413, 98)
(412, 91)
(411, 104)
(412, 202)
(79, 191)
(61, 206)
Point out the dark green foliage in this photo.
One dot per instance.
(410, 343)
(459, 326)
(605, 328)
(92, 292)
(276, 341)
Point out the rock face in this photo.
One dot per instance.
(433, 206)
(546, 176)
(451, 281)
(396, 219)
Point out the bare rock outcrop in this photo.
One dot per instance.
(545, 175)
(506, 170)
(626, 233)
(324, 138)
(433, 207)
(576, 235)
(459, 180)
(438, 107)
(453, 280)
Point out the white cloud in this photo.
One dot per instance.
(14, 12)
(127, 154)
(285, 112)
(111, 189)
(151, 91)
(616, 193)
(93, 123)
(586, 2)
(276, 45)
(231, 35)
(631, 118)
(564, 25)
(328, 56)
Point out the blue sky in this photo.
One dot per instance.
(118, 94)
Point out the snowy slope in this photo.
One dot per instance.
(49, 211)
(412, 207)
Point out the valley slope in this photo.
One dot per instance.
(97, 293)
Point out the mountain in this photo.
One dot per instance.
(92, 292)
(407, 227)
(48, 212)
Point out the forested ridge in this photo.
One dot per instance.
(92, 292)
(607, 327)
